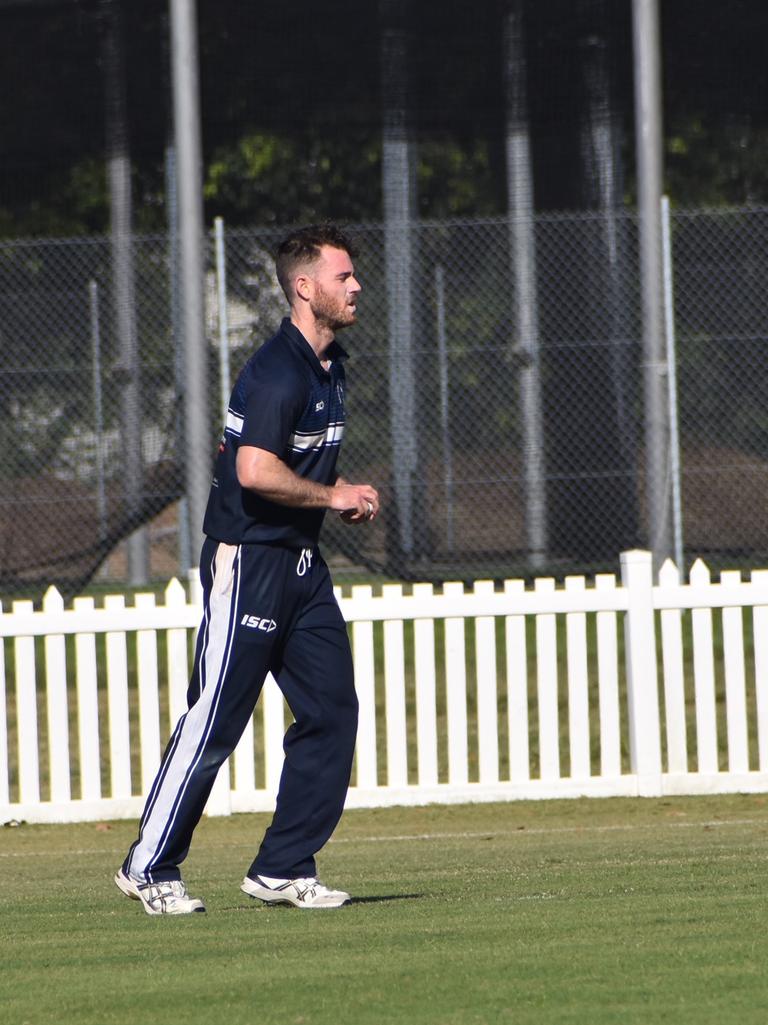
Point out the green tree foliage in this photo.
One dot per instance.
(269, 179)
(278, 179)
(730, 159)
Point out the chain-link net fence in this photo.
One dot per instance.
(494, 453)
(721, 263)
(68, 431)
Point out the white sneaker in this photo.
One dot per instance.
(168, 898)
(301, 893)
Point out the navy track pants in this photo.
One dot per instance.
(265, 609)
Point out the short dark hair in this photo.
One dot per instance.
(303, 247)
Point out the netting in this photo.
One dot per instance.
(65, 432)
(453, 468)
(498, 447)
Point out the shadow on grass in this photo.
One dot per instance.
(260, 905)
(392, 896)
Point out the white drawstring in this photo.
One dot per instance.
(305, 562)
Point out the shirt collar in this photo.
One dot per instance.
(297, 339)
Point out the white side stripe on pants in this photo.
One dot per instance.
(194, 727)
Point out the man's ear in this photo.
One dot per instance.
(303, 287)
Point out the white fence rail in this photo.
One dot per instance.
(621, 687)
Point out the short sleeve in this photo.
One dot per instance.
(272, 410)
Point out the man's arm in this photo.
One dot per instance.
(268, 476)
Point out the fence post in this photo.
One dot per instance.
(642, 672)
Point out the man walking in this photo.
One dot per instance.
(268, 600)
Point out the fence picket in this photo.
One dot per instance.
(117, 702)
(89, 745)
(5, 788)
(674, 676)
(517, 687)
(546, 680)
(27, 736)
(274, 730)
(735, 681)
(704, 676)
(608, 681)
(178, 659)
(578, 686)
(759, 577)
(365, 681)
(394, 694)
(487, 696)
(149, 698)
(56, 705)
(456, 692)
(244, 759)
(426, 691)
(642, 672)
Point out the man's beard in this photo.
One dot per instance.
(332, 313)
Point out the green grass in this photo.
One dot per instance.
(601, 911)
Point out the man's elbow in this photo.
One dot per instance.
(247, 479)
(251, 473)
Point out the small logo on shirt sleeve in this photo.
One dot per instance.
(319, 405)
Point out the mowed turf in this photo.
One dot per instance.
(591, 911)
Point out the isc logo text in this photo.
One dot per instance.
(257, 623)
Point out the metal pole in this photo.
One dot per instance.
(649, 177)
(398, 193)
(221, 282)
(523, 267)
(186, 110)
(98, 409)
(172, 204)
(124, 292)
(674, 437)
(442, 363)
(604, 189)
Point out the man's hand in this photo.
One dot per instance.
(355, 502)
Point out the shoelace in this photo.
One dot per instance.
(170, 888)
(304, 886)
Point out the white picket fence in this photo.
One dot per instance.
(465, 695)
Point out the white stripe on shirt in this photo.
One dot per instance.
(303, 442)
(234, 423)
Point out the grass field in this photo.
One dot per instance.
(626, 911)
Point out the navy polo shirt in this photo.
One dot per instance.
(284, 402)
